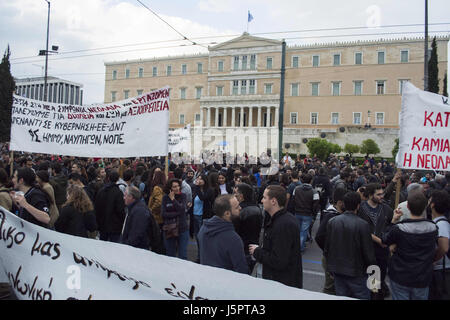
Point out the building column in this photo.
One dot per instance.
(250, 117)
(202, 110)
(241, 124)
(208, 117)
(216, 122)
(277, 117)
(269, 117)
(224, 118)
(258, 123)
(233, 116)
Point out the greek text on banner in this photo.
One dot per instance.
(424, 141)
(41, 264)
(136, 127)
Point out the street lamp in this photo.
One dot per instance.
(368, 125)
(46, 52)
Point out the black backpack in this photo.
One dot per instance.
(154, 234)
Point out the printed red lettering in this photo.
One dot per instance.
(428, 118)
(416, 143)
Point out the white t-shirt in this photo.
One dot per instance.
(443, 231)
(223, 189)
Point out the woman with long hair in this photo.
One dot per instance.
(224, 186)
(173, 212)
(156, 187)
(42, 178)
(77, 215)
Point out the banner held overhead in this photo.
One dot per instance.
(136, 127)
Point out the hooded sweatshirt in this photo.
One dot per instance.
(220, 246)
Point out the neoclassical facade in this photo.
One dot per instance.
(343, 92)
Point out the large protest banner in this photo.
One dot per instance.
(180, 140)
(135, 127)
(424, 130)
(43, 264)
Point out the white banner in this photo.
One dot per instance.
(44, 264)
(135, 127)
(180, 140)
(424, 130)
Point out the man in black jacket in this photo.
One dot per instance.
(280, 254)
(135, 229)
(32, 203)
(379, 216)
(219, 244)
(332, 211)
(110, 209)
(411, 265)
(349, 250)
(307, 205)
(250, 221)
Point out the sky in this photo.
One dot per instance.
(92, 32)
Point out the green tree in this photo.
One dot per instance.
(322, 148)
(351, 148)
(335, 148)
(7, 87)
(395, 149)
(369, 147)
(433, 71)
(444, 90)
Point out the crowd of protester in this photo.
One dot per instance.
(248, 222)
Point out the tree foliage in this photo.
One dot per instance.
(395, 149)
(369, 147)
(351, 148)
(433, 71)
(7, 87)
(322, 148)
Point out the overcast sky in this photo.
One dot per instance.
(113, 30)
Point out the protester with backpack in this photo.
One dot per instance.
(322, 185)
(306, 204)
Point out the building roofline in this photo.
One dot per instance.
(365, 42)
(379, 41)
(183, 56)
(49, 78)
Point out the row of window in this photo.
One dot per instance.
(358, 59)
(314, 118)
(245, 87)
(140, 74)
(357, 118)
(380, 87)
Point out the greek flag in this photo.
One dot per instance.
(250, 17)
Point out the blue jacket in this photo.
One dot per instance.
(135, 232)
(220, 246)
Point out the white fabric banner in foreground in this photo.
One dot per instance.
(180, 140)
(44, 264)
(424, 130)
(135, 127)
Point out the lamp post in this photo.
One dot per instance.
(46, 52)
(368, 125)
